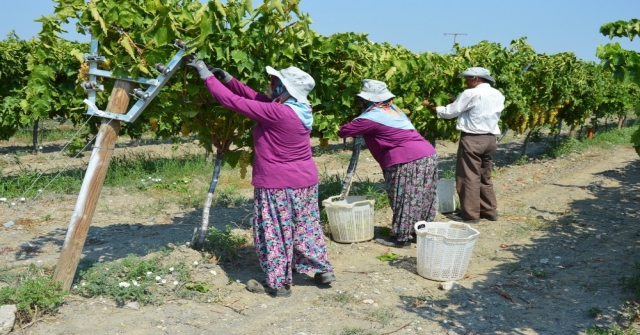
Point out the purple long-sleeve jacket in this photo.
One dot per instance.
(283, 157)
(389, 146)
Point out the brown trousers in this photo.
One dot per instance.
(473, 175)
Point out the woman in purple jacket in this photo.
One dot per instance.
(286, 221)
(408, 161)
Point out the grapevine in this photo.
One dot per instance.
(541, 90)
(625, 64)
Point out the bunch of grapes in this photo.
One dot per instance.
(83, 73)
(243, 163)
(454, 136)
(553, 114)
(106, 65)
(324, 143)
(521, 122)
(185, 129)
(219, 125)
(154, 124)
(538, 117)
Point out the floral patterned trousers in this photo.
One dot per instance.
(287, 233)
(411, 188)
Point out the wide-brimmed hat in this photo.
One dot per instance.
(477, 72)
(374, 90)
(297, 82)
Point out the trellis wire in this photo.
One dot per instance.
(31, 201)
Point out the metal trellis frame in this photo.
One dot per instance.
(144, 96)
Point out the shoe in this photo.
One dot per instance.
(324, 278)
(392, 241)
(460, 218)
(262, 288)
(489, 217)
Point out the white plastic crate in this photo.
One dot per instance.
(444, 249)
(350, 219)
(446, 195)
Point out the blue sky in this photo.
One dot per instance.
(551, 26)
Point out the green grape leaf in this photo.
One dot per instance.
(161, 36)
(124, 42)
(238, 56)
(388, 257)
(96, 16)
(206, 25)
(79, 55)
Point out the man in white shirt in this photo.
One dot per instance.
(478, 110)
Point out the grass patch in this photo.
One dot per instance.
(339, 298)
(33, 292)
(229, 197)
(382, 315)
(316, 151)
(144, 172)
(183, 180)
(625, 320)
(141, 172)
(224, 244)
(420, 301)
(522, 160)
(602, 139)
(48, 131)
(538, 272)
(524, 228)
(512, 267)
(131, 279)
(356, 331)
(614, 330)
(632, 282)
(180, 180)
(594, 312)
(31, 183)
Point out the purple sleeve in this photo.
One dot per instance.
(239, 88)
(263, 112)
(356, 127)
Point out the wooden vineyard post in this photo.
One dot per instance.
(91, 186)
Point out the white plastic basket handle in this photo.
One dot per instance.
(421, 225)
(421, 229)
(338, 202)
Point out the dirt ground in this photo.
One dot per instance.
(568, 231)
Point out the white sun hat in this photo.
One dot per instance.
(477, 72)
(297, 82)
(375, 91)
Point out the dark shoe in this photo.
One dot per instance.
(461, 218)
(324, 278)
(392, 241)
(262, 288)
(489, 217)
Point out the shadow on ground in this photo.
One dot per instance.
(585, 252)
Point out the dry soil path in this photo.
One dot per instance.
(568, 231)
